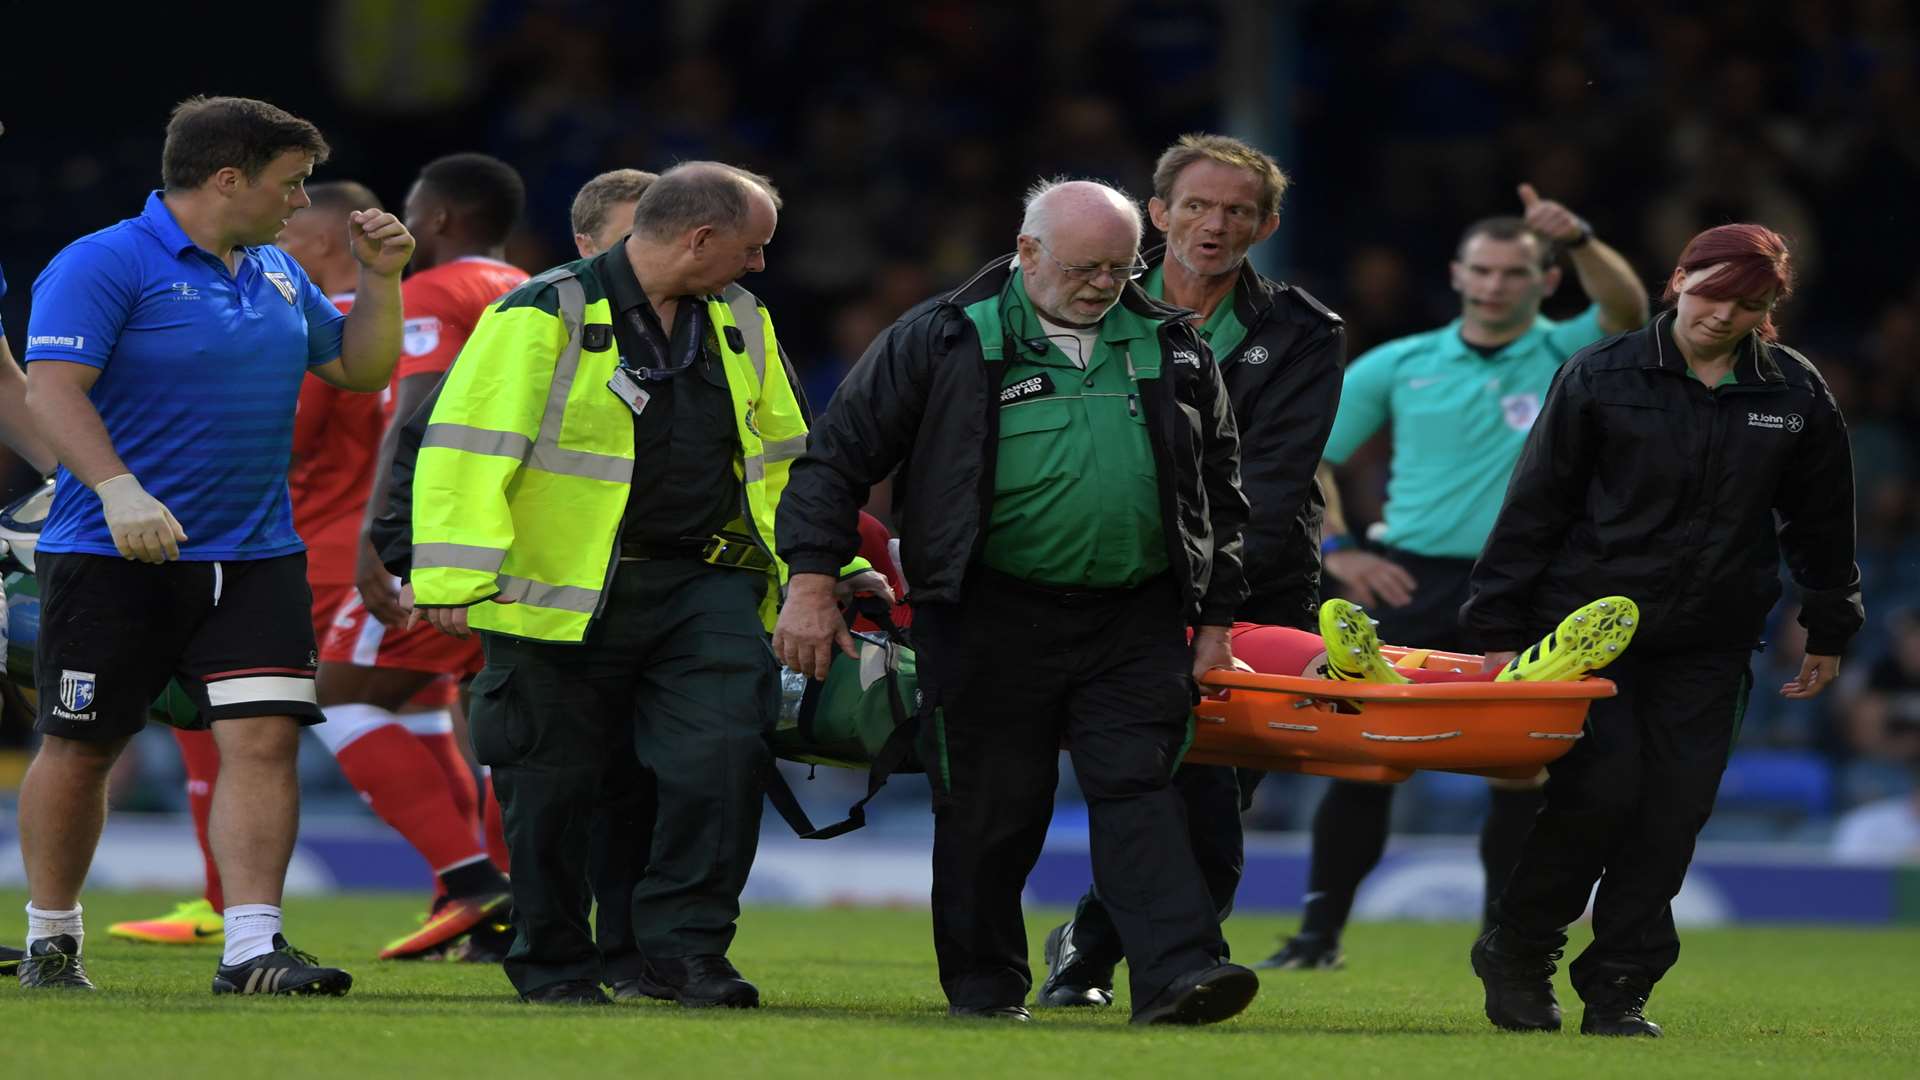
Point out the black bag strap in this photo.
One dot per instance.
(893, 753)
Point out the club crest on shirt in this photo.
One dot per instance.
(283, 283)
(420, 336)
(1520, 410)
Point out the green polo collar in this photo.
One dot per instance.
(1120, 326)
(1224, 330)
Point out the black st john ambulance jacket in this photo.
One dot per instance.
(1638, 480)
(1284, 381)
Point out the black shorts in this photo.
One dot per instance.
(238, 635)
(1432, 620)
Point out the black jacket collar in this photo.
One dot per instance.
(1753, 363)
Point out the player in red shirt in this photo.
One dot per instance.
(370, 665)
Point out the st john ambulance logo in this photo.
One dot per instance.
(1256, 355)
(282, 283)
(1795, 422)
(76, 691)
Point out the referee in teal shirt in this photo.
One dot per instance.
(1459, 401)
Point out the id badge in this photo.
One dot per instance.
(629, 390)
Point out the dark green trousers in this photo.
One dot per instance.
(679, 666)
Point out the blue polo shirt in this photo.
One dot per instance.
(1459, 422)
(199, 372)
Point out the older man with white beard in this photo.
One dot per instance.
(1069, 507)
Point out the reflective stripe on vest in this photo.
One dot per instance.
(545, 576)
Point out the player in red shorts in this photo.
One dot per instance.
(370, 665)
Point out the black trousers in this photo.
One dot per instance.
(619, 846)
(1623, 808)
(678, 669)
(1010, 671)
(1431, 620)
(1215, 796)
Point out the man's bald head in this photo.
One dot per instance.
(706, 224)
(697, 193)
(1088, 202)
(1079, 243)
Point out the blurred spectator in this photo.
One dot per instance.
(1887, 830)
(1880, 715)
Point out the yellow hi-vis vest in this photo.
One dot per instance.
(523, 475)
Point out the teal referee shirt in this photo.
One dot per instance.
(1459, 420)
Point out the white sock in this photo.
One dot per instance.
(46, 924)
(250, 930)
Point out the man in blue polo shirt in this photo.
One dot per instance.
(1460, 401)
(165, 354)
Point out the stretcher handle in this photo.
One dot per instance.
(1409, 693)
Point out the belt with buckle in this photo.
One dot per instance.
(721, 549)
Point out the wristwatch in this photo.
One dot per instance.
(1586, 234)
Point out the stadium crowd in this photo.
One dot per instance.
(1403, 121)
(566, 118)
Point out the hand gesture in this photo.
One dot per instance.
(1816, 674)
(1551, 219)
(380, 243)
(1371, 578)
(141, 525)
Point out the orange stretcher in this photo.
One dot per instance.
(1382, 732)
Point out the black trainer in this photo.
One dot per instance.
(567, 992)
(10, 958)
(1207, 996)
(640, 986)
(54, 964)
(701, 982)
(285, 970)
(1071, 980)
(1016, 1013)
(1306, 952)
(1616, 1010)
(1519, 984)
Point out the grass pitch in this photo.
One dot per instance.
(852, 993)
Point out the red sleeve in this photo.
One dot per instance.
(310, 416)
(435, 329)
(874, 540)
(873, 548)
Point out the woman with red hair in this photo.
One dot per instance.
(1674, 465)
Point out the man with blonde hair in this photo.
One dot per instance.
(1279, 352)
(603, 209)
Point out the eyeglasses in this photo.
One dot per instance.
(1130, 272)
